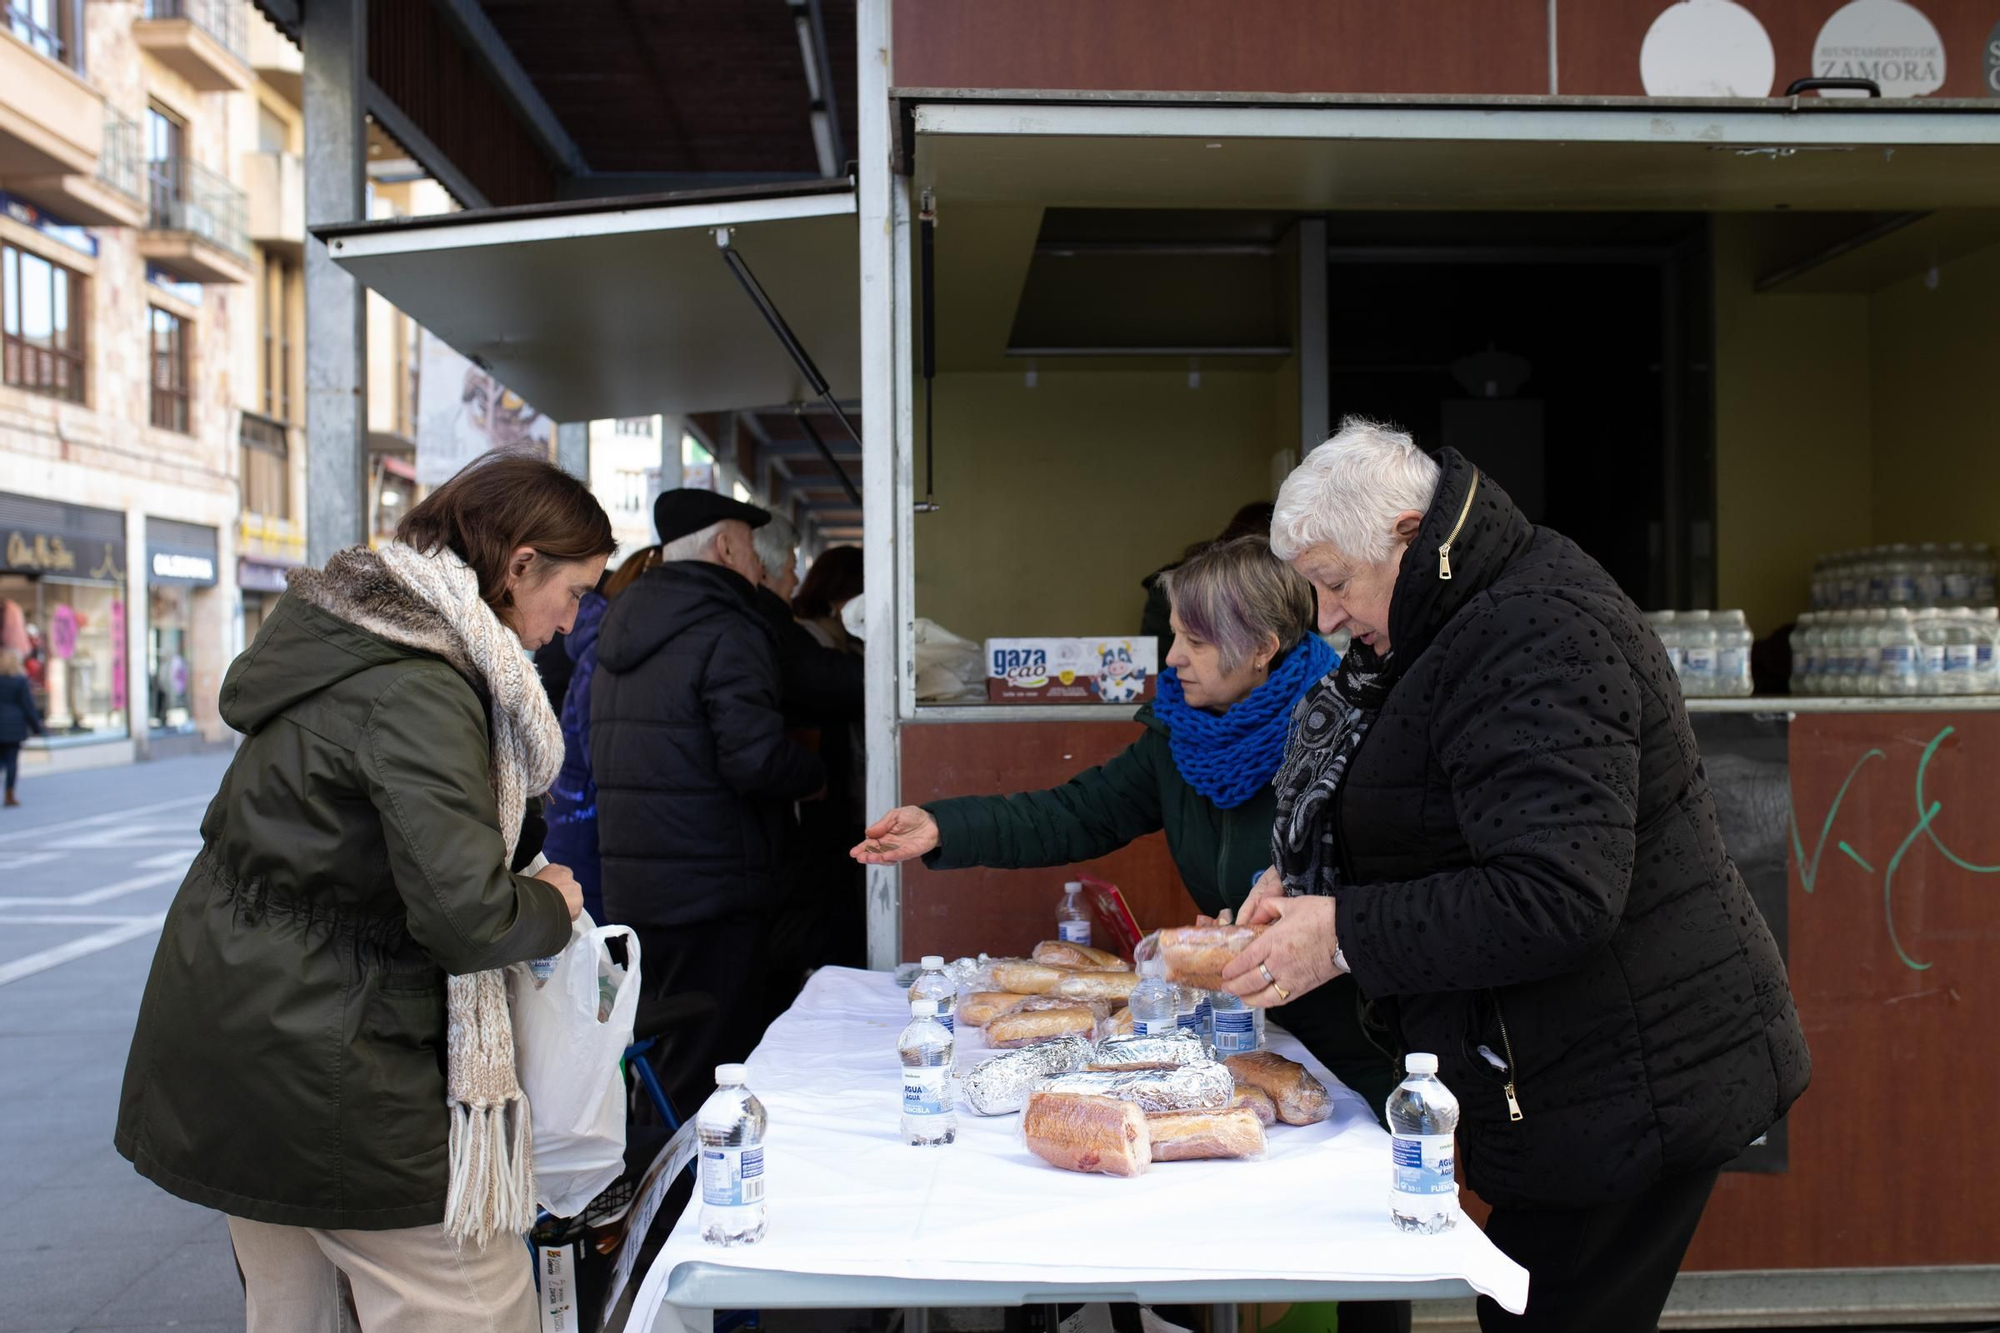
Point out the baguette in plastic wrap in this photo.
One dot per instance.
(1257, 1101)
(1300, 1098)
(1062, 953)
(1120, 1024)
(982, 1007)
(1183, 1136)
(1012, 1030)
(1095, 985)
(1000, 1084)
(1197, 955)
(1079, 1132)
(1190, 1088)
(1025, 978)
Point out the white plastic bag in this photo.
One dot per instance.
(570, 1031)
(949, 668)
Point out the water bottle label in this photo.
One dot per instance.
(1959, 657)
(1189, 1021)
(1701, 661)
(1073, 932)
(1423, 1165)
(1933, 658)
(1157, 1027)
(1235, 1032)
(1902, 588)
(923, 1090)
(1983, 655)
(1732, 662)
(1899, 659)
(1958, 587)
(1982, 590)
(732, 1177)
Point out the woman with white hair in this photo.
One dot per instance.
(1494, 817)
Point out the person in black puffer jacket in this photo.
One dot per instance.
(696, 777)
(1494, 815)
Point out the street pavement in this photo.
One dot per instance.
(88, 866)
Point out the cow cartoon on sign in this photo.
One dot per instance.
(1120, 680)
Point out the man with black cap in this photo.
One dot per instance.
(696, 777)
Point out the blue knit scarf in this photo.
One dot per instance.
(1232, 756)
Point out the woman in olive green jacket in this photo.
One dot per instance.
(1243, 653)
(322, 1052)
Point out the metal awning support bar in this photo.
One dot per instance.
(800, 358)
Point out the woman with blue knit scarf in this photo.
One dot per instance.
(1243, 654)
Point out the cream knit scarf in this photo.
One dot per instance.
(492, 1188)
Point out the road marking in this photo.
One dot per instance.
(26, 859)
(94, 821)
(91, 897)
(79, 948)
(179, 859)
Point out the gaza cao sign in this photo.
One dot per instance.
(1888, 41)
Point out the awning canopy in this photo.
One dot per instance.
(621, 308)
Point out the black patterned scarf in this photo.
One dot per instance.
(1328, 726)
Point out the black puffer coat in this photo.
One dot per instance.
(1531, 864)
(695, 775)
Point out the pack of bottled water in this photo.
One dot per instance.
(1710, 651)
(1897, 651)
(1907, 574)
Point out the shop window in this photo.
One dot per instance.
(634, 426)
(41, 325)
(267, 486)
(274, 314)
(47, 26)
(75, 662)
(631, 491)
(169, 645)
(166, 145)
(170, 369)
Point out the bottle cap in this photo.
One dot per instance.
(727, 1076)
(933, 962)
(1417, 1062)
(1073, 886)
(1153, 967)
(923, 1008)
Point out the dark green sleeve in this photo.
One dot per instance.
(1094, 813)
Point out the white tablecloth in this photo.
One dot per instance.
(848, 1197)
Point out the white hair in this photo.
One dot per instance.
(1348, 491)
(694, 546)
(776, 544)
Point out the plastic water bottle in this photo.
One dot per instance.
(1072, 917)
(926, 1048)
(1985, 661)
(1697, 653)
(1961, 651)
(1664, 626)
(731, 1126)
(1732, 657)
(933, 984)
(1931, 651)
(1423, 1115)
(1898, 653)
(1156, 1005)
(1189, 1011)
(1238, 1027)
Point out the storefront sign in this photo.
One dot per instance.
(48, 537)
(182, 553)
(256, 576)
(1707, 48)
(1992, 78)
(1885, 40)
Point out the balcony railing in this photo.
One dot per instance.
(220, 19)
(121, 165)
(52, 27)
(183, 195)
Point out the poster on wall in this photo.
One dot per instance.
(1707, 48)
(1991, 72)
(1888, 41)
(463, 412)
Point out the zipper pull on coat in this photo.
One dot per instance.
(1444, 547)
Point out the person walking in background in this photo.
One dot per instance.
(324, 1048)
(833, 581)
(19, 718)
(696, 776)
(572, 803)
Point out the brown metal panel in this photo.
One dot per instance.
(1599, 41)
(1894, 924)
(960, 912)
(1275, 46)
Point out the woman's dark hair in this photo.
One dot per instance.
(500, 502)
(1252, 520)
(629, 570)
(834, 577)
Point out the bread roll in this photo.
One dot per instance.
(1197, 955)
(982, 1007)
(1061, 953)
(1121, 1024)
(1257, 1101)
(1027, 978)
(1096, 985)
(1181, 1136)
(1300, 1098)
(1078, 1132)
(1011, 1030)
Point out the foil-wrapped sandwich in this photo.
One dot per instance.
(1001, 1085)
(1169, 1050)
(1204, 1087)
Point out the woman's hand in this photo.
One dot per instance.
(559, 879)
(1269, 885)
(904, 833)
(1290, 958)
